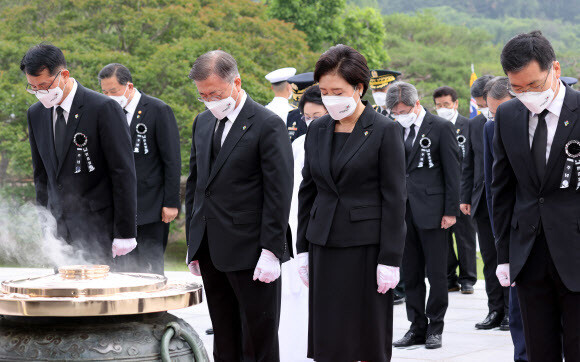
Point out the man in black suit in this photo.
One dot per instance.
(84, 172)
(536, 205)
(155, 138)
(237, 206)
(432, 156)
(447, 103)
(473, 203)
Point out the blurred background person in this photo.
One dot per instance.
(351, 227)
(156, 149)
(474, 205)
(447, 104)
(294, 311)
(296, 123)
(379, 84)
(282, 92)
(497, 92)
(432, 177)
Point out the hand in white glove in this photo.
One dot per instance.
(503, 274)
(268, 267)
(387, 277)
(123, 246)
(194, 268)
(303, 268)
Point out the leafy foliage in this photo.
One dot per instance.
(157, 39)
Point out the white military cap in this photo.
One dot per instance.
(280, 75)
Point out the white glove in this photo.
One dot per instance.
(268, 267)
(303, 268)
(503, 274)
(387, 277)
(194, 268)
(123, 246)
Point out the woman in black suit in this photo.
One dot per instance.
(351, 218)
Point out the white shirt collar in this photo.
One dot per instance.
(555, 106)
(66, 104)
(454, 118)
(236, 112)
(132, 106)
(420, 118)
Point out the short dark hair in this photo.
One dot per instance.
(520, 50)
(445, 91)
(118, 71)
(310, 95)
(497, 88)
(346, 62)
(40, 57)
(215, 62)
(479, 84)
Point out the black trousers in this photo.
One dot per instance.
(425, 252)
(464, 231)
(550, 311)
(147, 257)
(497, 296)
(245, 314)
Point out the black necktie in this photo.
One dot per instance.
(59, 134)
(409, 140)
(217, 139)
(124, 110)
(539, 144)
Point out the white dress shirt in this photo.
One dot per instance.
(281, 107)
(132, 106)
(232, 116)
(454, 118)
(65, 105)
(417, 124)
(554, 108)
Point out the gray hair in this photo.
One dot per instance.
(215, 62)
(401, 92)
(497, 88)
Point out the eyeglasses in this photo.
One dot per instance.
(531, 88)
(213, 98)
(400, 114)
(310, 119)
(31, 90)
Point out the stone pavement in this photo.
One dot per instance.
(461, 341)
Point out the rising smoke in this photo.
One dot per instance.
(28, 238)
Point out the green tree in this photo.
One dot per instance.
(157, 39)
(320, 20)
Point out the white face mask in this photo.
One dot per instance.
(536, 102)
(380, 98)
(485, 112)
(446, 113)
(52, 98)
(406, 120)
(340, 107)
(122, 100)
(222, 108)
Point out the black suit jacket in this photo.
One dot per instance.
(522, 202)
(365, 205)
(90, 207)
(461, 129)
(434, 192)
(243, 202)
(158, 171)
(472, 178)
(296, 124)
